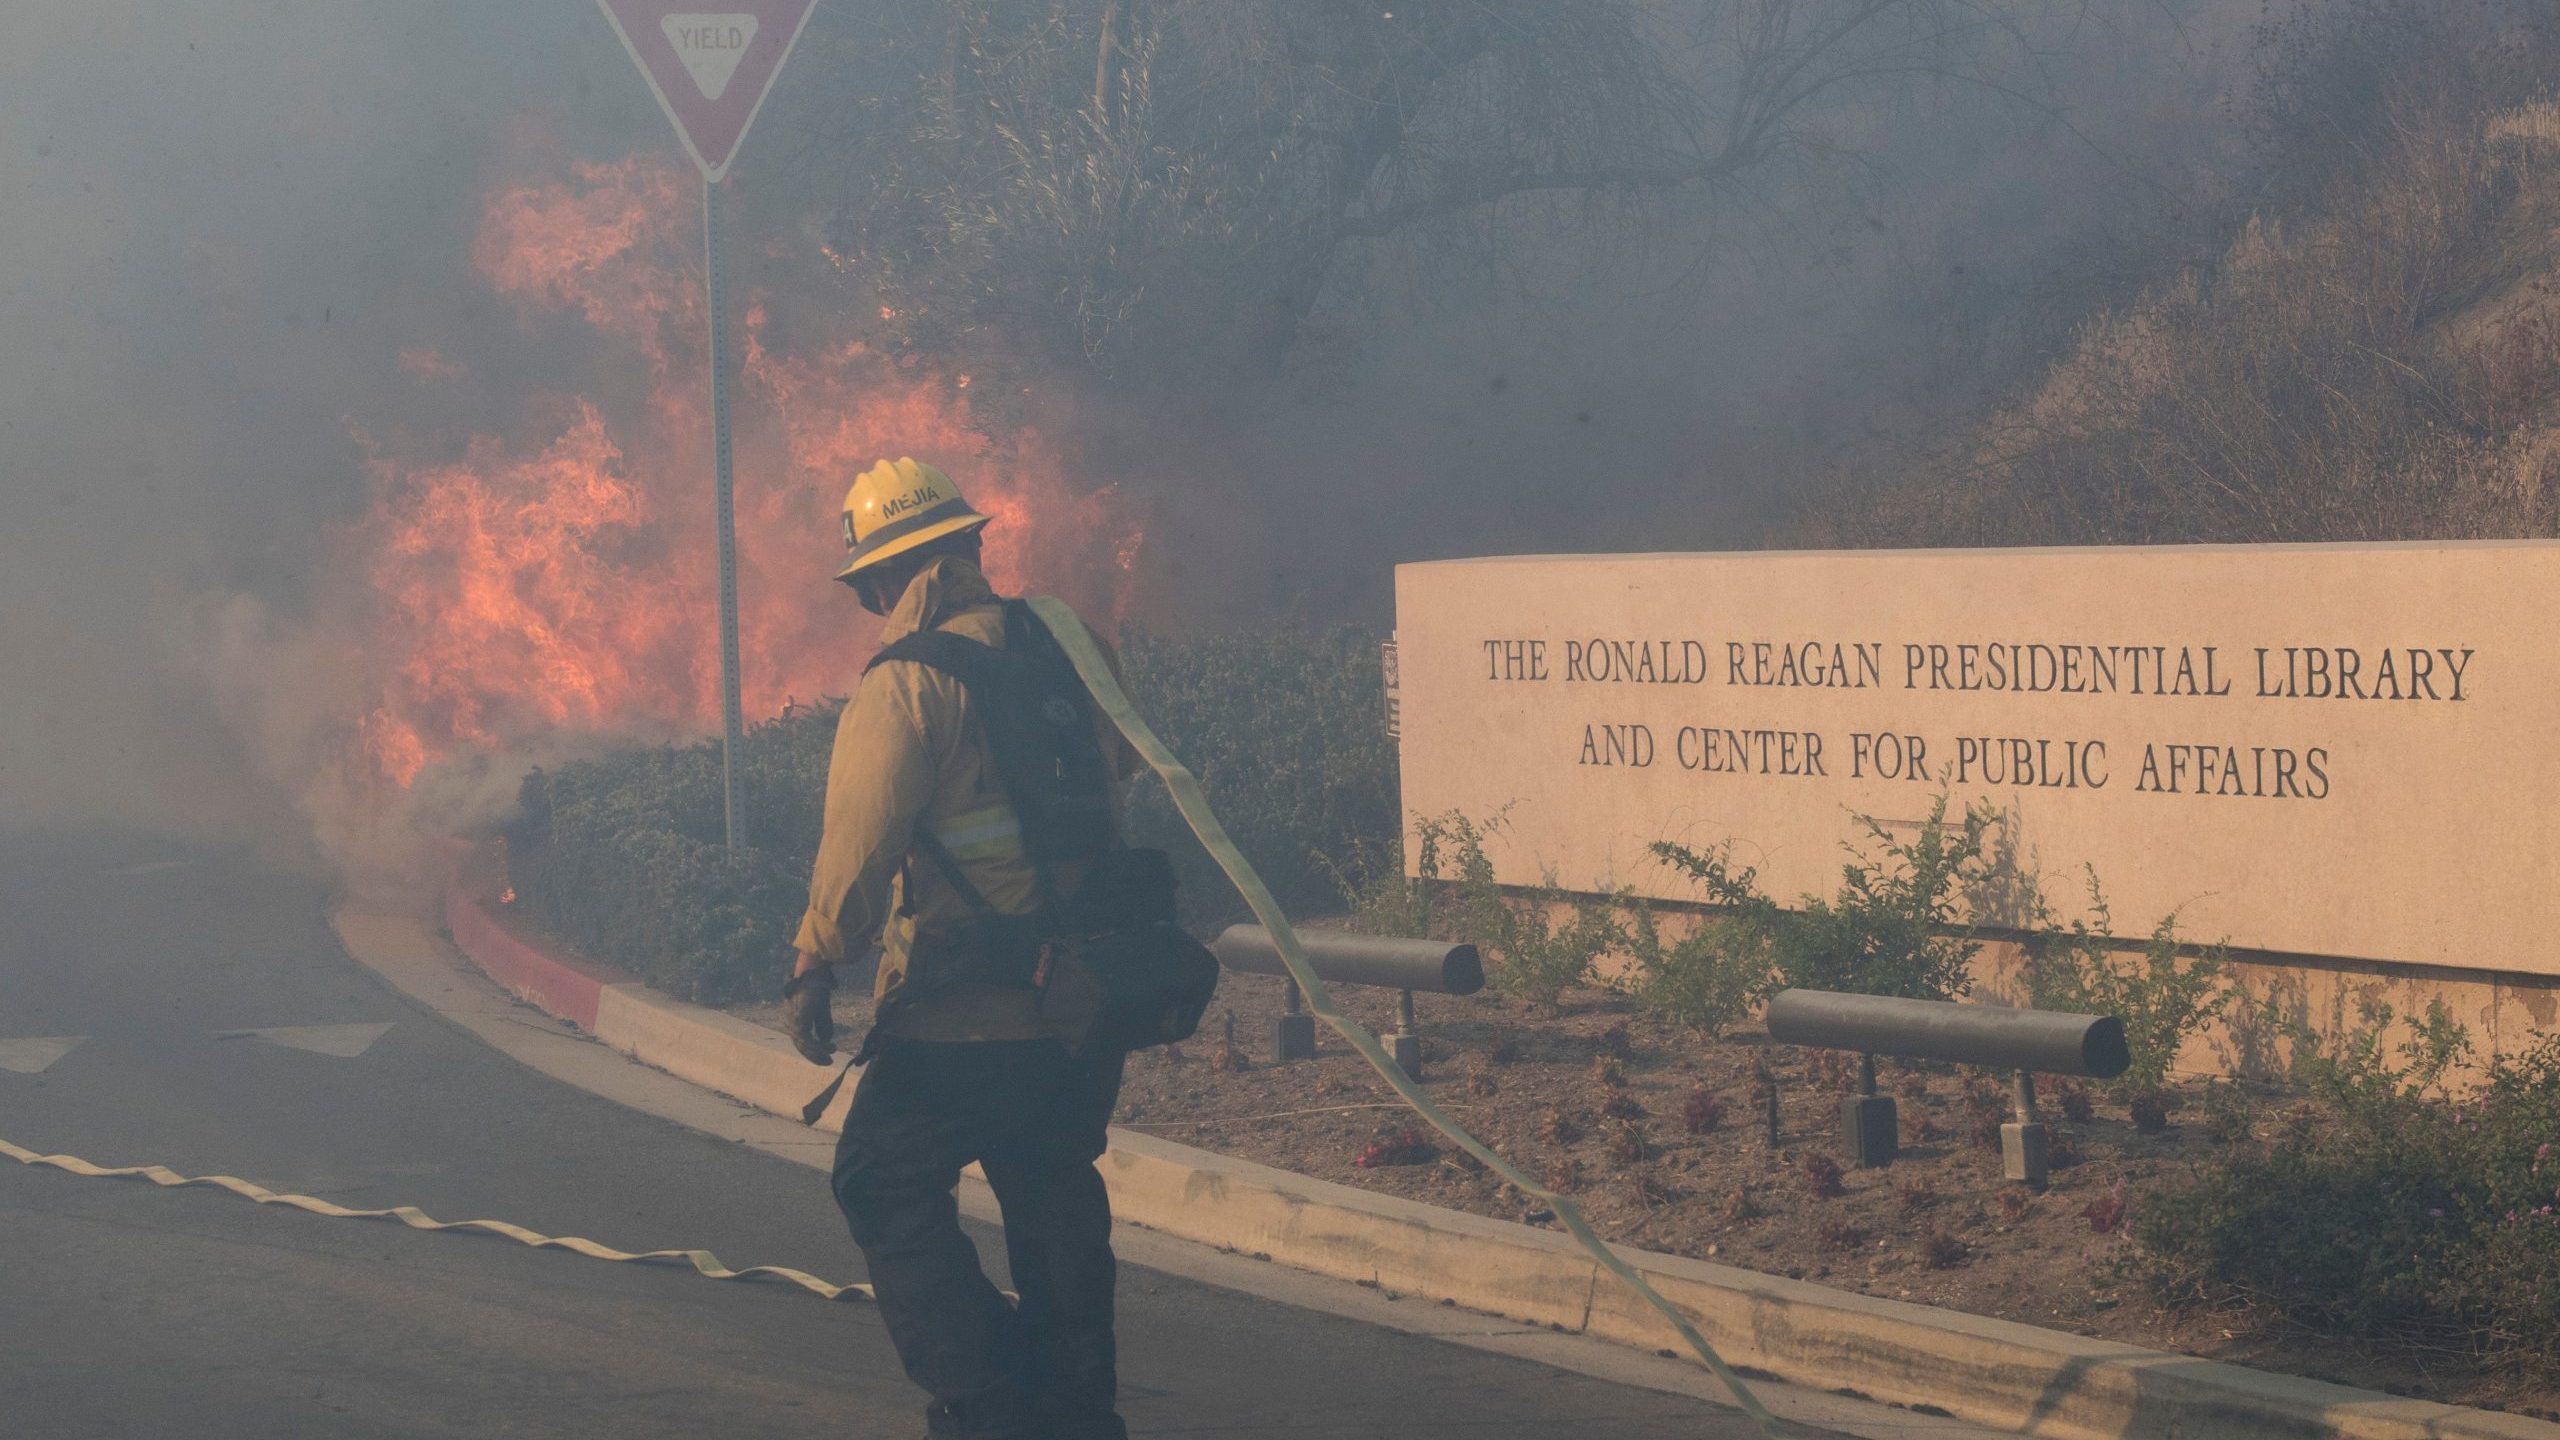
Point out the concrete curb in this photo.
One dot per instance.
(1991, 1372)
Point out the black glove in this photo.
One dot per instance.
(809, 1014)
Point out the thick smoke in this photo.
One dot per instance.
(1694, 394)
(237, 278)
(222, 224)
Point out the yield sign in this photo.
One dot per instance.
(710, 69)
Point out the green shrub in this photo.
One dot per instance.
(1451, 895)
(1286, 730)
(1539, 955)
(2392, 1213)
(1708, 978)
(2350, 1068)
(1380, 896)
(1896, 926)
(2162, 996)
(622, 856)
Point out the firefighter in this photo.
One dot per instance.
(924, 847)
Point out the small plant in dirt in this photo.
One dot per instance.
(1822, 1174)
(1764, 1100)
(1982, 1127)
(1505, 1049)
(1617, 1042)
(1702, 1112)
(1982, 1091)
(2163, 994)
(1606, 1070)
(1738, 1206)
(2073, 1097)
(1941, 1250)
(1838, 1233)
(2150, 1111)
(1650, 1191)
(1564, 1175)
(1836, 1071)
(1916, 1194)
(1480, 1083)
(1919, 1127)
(1623, 1106)
(1628, 1145)
(1896, 926)
(2015, 1203)
(1405, 1147)
(2062, 1151)
(2227, 1117)
(1913, 1085)
(1559, 1127)
(2106, 1210)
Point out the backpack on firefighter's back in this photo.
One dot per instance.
(1111, 950)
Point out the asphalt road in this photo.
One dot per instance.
(129, 1310)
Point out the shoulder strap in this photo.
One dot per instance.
(967, 661)
(948, 865)
(957, 656)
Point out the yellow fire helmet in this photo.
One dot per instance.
(896, 506)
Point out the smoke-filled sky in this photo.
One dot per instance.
(220, 223)
(225, 223)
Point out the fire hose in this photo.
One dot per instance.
(1193, 803)
(703, 1261)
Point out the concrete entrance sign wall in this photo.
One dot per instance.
(2325, 750)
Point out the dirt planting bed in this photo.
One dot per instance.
(1661, 1137)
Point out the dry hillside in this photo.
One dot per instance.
(2375, 354)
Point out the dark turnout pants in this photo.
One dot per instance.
(1034, 1119)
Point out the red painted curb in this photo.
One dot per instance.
(569, 989)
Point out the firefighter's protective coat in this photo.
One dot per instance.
(908, 753)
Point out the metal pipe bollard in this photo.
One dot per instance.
(1293, 1034)
(1869, 1124)
(1343, 958)
(2026, 1145)
(1406, 1044)
(1992, 1036)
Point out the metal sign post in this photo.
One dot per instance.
(711, 71)
(733, 724)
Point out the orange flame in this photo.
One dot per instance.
(562, 582)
